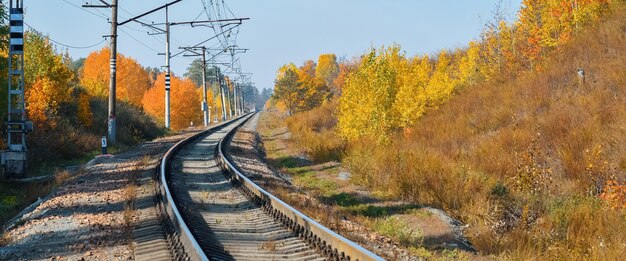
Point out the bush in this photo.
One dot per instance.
(67, 138)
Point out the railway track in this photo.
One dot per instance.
(211, 211)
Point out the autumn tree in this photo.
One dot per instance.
(468, 70)
(365, 109)
(327, 70)
(314, 90)
(299, 89)
(287, 89)
(308, 68)
(410, 103)
(345, 68)
(185, 105)
(132, 79)
(529, 30)
(47, 76)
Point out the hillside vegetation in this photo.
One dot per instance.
(507, 138)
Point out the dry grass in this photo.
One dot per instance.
(313, 133)
(5, 239)
(61, 176)
(129, 194)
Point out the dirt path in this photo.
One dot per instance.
(92, 216)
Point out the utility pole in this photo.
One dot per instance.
(167, 69)
(235, 98)
(111, 126)
(167, 51)
(243, 97)
(229, 99)
(205, 106)
(243, 101)
(113, 81)
(219, 81)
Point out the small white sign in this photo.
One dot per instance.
(104, 142)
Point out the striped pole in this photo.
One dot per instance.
(112, 83)
(167, 70)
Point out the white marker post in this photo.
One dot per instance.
(104, 145)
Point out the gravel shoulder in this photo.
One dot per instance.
(93, 214)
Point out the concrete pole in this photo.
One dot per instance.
(167, 69)
(235, 98)
(219, 82)
(205, 106)
(112, 82)
(230, 104)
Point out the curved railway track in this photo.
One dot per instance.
(211, 211)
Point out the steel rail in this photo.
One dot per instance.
(182, 236)
(186, 247)
(330, 243)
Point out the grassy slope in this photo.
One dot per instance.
(523, 161)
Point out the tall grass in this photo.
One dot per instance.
(314, 133)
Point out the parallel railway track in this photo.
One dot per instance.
(211, 211)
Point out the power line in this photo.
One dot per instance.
(72, 4)
(62, 44)
(137, 40)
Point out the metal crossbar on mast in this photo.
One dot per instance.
(205, 108)
(204, 50)
(168, 55)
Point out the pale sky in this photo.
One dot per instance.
(278, 32)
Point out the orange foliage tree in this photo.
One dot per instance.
(47, 77)
(85, 116)
(132, 79)
(185, 105)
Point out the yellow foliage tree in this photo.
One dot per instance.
(410, 100)
(529, 30)
(298, 89)
(441, 84)
(327, 70)
(367, 97)
(469, 66)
